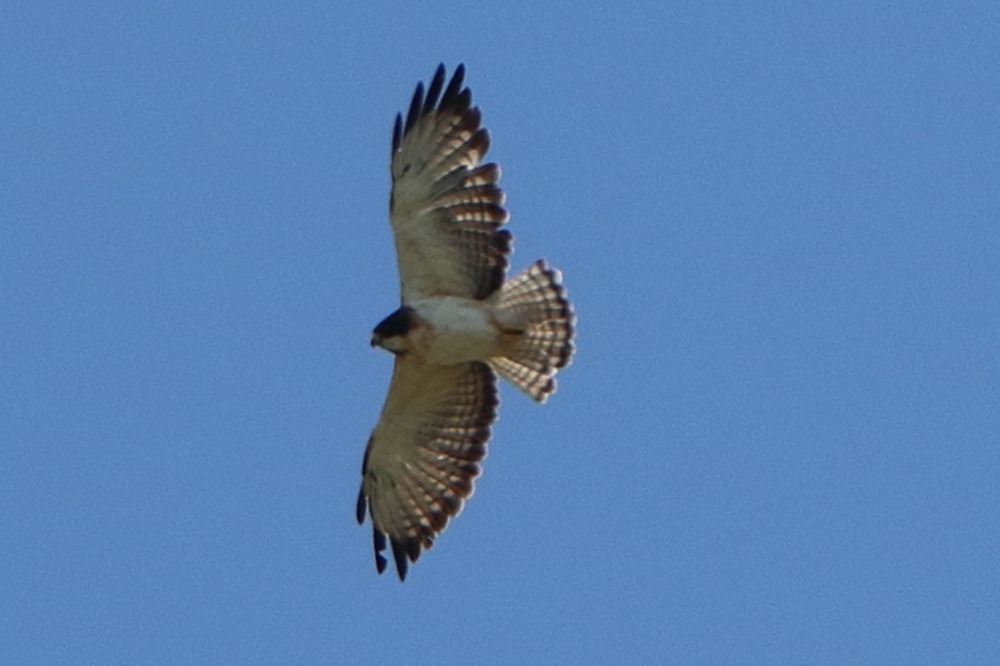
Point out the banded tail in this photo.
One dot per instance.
(533, 306)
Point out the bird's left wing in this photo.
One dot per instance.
(424, 454)
(446, 208)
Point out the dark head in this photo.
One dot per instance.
(391, 331)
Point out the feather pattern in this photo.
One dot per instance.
(420, 464)
(459, 325)
(534, 306)
(446, 208)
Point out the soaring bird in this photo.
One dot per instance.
(459, 325)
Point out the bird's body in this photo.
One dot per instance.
(460, 324)
(452, 329)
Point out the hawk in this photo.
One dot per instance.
(460, 324)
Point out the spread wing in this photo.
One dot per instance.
(446, 209)
(424, 454)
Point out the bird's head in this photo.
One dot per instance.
(391, 332)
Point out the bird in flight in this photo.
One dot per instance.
(460, 324)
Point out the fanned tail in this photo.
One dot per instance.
(537, 317)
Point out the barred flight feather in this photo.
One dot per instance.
(447, 214)
(446, 208)
(427, 469)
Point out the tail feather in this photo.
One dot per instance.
(533, 308)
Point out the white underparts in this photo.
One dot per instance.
(455, 330)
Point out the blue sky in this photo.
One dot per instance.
(778, 442)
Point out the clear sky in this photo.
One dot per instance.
(778, 442)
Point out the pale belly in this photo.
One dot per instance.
(459, 330)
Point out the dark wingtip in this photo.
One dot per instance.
(397, 132)
(378, 541)
(434, 89)
(399, 555)
(362, 505)
(454, 87)
(420, 104)
(416, 104)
